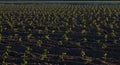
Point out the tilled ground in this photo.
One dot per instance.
(59, 35)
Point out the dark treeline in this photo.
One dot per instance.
(59, 0)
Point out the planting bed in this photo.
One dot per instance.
(59, 34)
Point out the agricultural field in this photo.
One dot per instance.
(54, 34)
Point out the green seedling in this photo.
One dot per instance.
(47, 37)
(62, 56)
(6, 55)
(53, 31)
(83, 31)
(60, 43)
(25, 56)
(104, 46)
(65, 37)
(0, 37)
(29, 36)
(78, 44)
(83, 53)
(88, 60)
(105, 55)
(44, 54)
(39, 42)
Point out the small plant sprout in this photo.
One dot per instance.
(84, 26)
(1, 26)
(62, 56)
(46, 28)
(106, 36)
(88, 60)
(29, 36)
(83, 31)
(104, 46)
(106, 18)
(20, 39)
(44, 54)
(60, 43)
(39, 31)
(113, 33)
(5, 55)
(53, 31)
(25, 62)
(28, 49)
(115, 41)
(25, 56)
(39, 42)
(58, 28)
(65, 37)
(104, 55)
(68, 31)
(83, 53)
(29, 29)
(111, 26)
(98, 41)
(16, 29)
(16, 35)
(98, 28)
(0, 37)
(47, 37)
(99, 33)
(78, 44)
(84, 39)
(10, 24)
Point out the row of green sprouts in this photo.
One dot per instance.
(44, 54)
